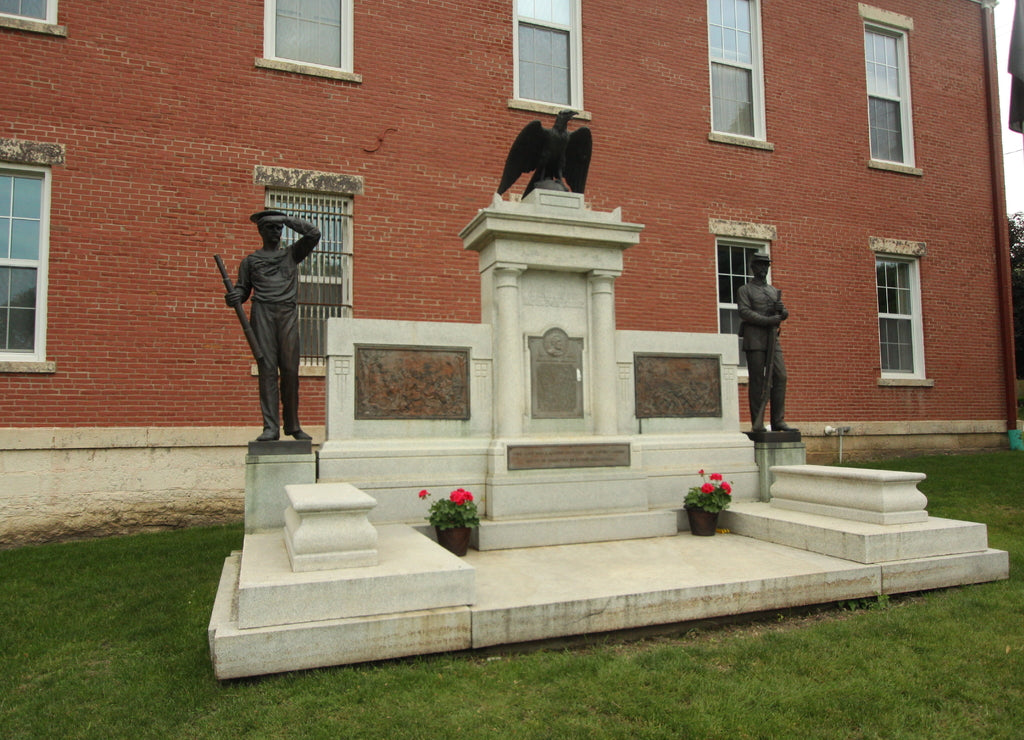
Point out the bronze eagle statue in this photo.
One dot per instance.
(556, 157)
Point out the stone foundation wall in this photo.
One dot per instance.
(59, 484)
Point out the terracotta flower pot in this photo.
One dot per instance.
(702, 523)
(454, 539)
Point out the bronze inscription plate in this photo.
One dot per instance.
(533, 457)
(677, 386)
(556, 376)
(411, 383)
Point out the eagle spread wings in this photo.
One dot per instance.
(551, 153)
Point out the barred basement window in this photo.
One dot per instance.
(325, 276)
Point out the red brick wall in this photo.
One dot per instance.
(164, 117)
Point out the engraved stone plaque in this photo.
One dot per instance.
(556, 376)
(534, 457)
(412, 383)
(677, 386)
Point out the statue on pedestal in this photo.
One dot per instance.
(271, 276)
(556, 157)
(762, 313)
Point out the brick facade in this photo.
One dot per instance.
(164, 118)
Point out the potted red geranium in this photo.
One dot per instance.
(704, 502)
(453, 519)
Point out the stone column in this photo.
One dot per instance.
(508, 352)
(603, 395)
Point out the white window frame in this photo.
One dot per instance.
(50, 18)
(898, 27)
(755, 67)
(575, 31)
(337, 229)
(914, 316)
(751, 247)
(41, 265)
(347, 38)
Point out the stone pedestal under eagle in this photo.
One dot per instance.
(557, 157)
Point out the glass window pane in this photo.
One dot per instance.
(732, 100)
(23, 287)
(28, 194)
(544, 64)
(5, 287)
(25, 240)
(21, 329)
(6, 189)
(5, 238)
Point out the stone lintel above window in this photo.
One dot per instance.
(904, 247)
(308, 180)
(742, 229)
(885, 17)
(19, 151)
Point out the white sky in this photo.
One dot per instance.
(1013, 143)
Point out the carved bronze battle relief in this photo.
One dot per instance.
(412, 383)
(677, 386)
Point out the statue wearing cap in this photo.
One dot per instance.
(761, 310)
(271, 276)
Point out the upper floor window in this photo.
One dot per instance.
(36, 9)
(888, 87)
(325, 276)
(317, 32)
(548, 52)
(24, 207)
(899, 317)
(736, 86)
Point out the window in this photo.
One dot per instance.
(325, 276)
(733, 264)
(36, 9)
(548, 52)
(736, 86)
(24, 204)
(317, 32)
(888, 85)
(899, 317)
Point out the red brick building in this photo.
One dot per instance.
(857, 143)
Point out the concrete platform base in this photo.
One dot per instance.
(548, 592)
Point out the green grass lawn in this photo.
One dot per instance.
(107, 639)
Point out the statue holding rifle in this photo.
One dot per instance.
(270, 276)
(762, 312)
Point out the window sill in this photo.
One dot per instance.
(31, 366)
(308, 69)
(906, 382)
(24, 24)
(535, 106)
(746, 141)
(903, 169)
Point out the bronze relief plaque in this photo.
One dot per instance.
(412, 383)
(669, 386)
(536, 457)
(556, 376)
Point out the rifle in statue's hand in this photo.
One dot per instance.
(250, 336)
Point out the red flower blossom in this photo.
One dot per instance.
(707, 488)
(424, 493)
(726, 487)
(701, 472)
(715, 476)
(461, 496)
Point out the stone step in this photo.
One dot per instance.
(860, 542)
(540, 532)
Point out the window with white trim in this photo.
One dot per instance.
(900, 334)
(737, 106)
(888, 87)
(733, 272)
(317, 32)
(325, 276)
(39, 10)
(548, 52)
(24, 244)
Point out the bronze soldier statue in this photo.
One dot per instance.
(271, 276)
(761, 311)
